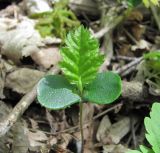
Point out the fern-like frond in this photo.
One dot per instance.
(81, 57)
(152, 125)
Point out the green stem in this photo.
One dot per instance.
(81, 126)
(80, 87)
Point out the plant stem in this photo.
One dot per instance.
(81, 125)
(80, 87)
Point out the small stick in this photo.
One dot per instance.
(20, 108)
(126, 58)
(88, 122)
(133, 133)
(102, 32)
(129, 65)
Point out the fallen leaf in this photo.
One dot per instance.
(23, 79)
(47, 57)
(20, 42)
(104, 126)
(142, 44)
(37, 139)
(115, 149)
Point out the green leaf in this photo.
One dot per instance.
(148, 3)
(144, 149)
(105, 89)
(153, 60)
(152, 125)
(81, 57)
(134, 3)
(55, 92)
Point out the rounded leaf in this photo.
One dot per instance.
(55, 92)
(105, 89)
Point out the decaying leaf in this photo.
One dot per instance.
(36, 6)
(23, 79)
(104, 126)
(112, 134)
(2, 77)
(20, 138)
(17, 136)
(21, 41)
(47, 57)
(87, 6)
(117, 131)
(114, 149)
(37, 140)
(4, 110)
(142, 44)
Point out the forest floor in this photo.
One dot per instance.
(27, 54)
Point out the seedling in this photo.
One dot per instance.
(81, 82)
(152, 126)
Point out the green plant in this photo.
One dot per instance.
(150, 71)
(147, 3)
(81, 61)
(57, 22)
(152, 60)
(152, 125)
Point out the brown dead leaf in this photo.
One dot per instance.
(34, 124)
(21, 41)
(51, 121)
(47, 57)
(104, 126)
(20, 139)
(4, 110)
(142, 44)
(85, 6)
(2, 77)
(124, 49)
(136, 15)
(66, 138)
(36, 139)
(117, 131)
(137, 31)
(23, 79)
(115, 149)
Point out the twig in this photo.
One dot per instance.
(130, 137)
(20, 108)
(126, 58)
(88, 122)
(102, 32)
(128, 66)
(133, 132)
(128, 71)
(131, 37)
(17, 111)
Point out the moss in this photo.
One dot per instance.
(57, 22)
